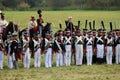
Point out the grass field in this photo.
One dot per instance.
(94, 72)
(84, 72)
(55, 17)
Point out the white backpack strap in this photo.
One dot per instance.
(109, 40)
(68, 40)
(99, 39)
(89, 41)
(78, 39)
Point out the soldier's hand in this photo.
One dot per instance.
(106, 49)
(113, 49)
(84, 50)
(45, 51)
(94, 50)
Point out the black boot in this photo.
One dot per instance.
(98, 60)
(15, 63)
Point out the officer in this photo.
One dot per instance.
(40, 22)
(69, 24)
(32, 23)
(3, 22)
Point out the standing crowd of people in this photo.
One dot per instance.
(86, 46)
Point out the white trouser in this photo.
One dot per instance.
(59, 58)
(37, 57)
(48, 58)
(11, 59)
(63, 58)
(26, 59)
(117, 54)
(109, 55)
(100, 51)
(79, 54)
(89, 54)
(68, 55)
(1, 59)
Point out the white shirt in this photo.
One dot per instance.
(32, 24)
(3, 23)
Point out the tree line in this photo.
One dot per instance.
(60, 4)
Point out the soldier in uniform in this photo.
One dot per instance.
(32, 23)
(3, 22)
(1, 52)
(99, 44)
(94, 52)
(37, 50)
(39, 22)
(48, 50)
(117, 46)
(89, 48)
(68, 45)
(8, 49)
(59, 49)
(84, 36)
(14, 50)
(32, 26)
(94, 36)
(109, 43)
(78, 48)
(26, 50)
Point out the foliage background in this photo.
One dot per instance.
(60, 4)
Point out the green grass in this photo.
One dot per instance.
(55, 17)
(84, 72)
(94, 72)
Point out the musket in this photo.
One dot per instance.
(78, 24)
(90, 26)
(102, 23)
(47, 46)
(111, 26)
(86, 24)
(36, 47)
(25, 46)
(60, 25)
(93, 24)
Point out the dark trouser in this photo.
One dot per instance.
(94, 58)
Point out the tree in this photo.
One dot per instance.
(24, 6)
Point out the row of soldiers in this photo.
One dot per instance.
(66, 43)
